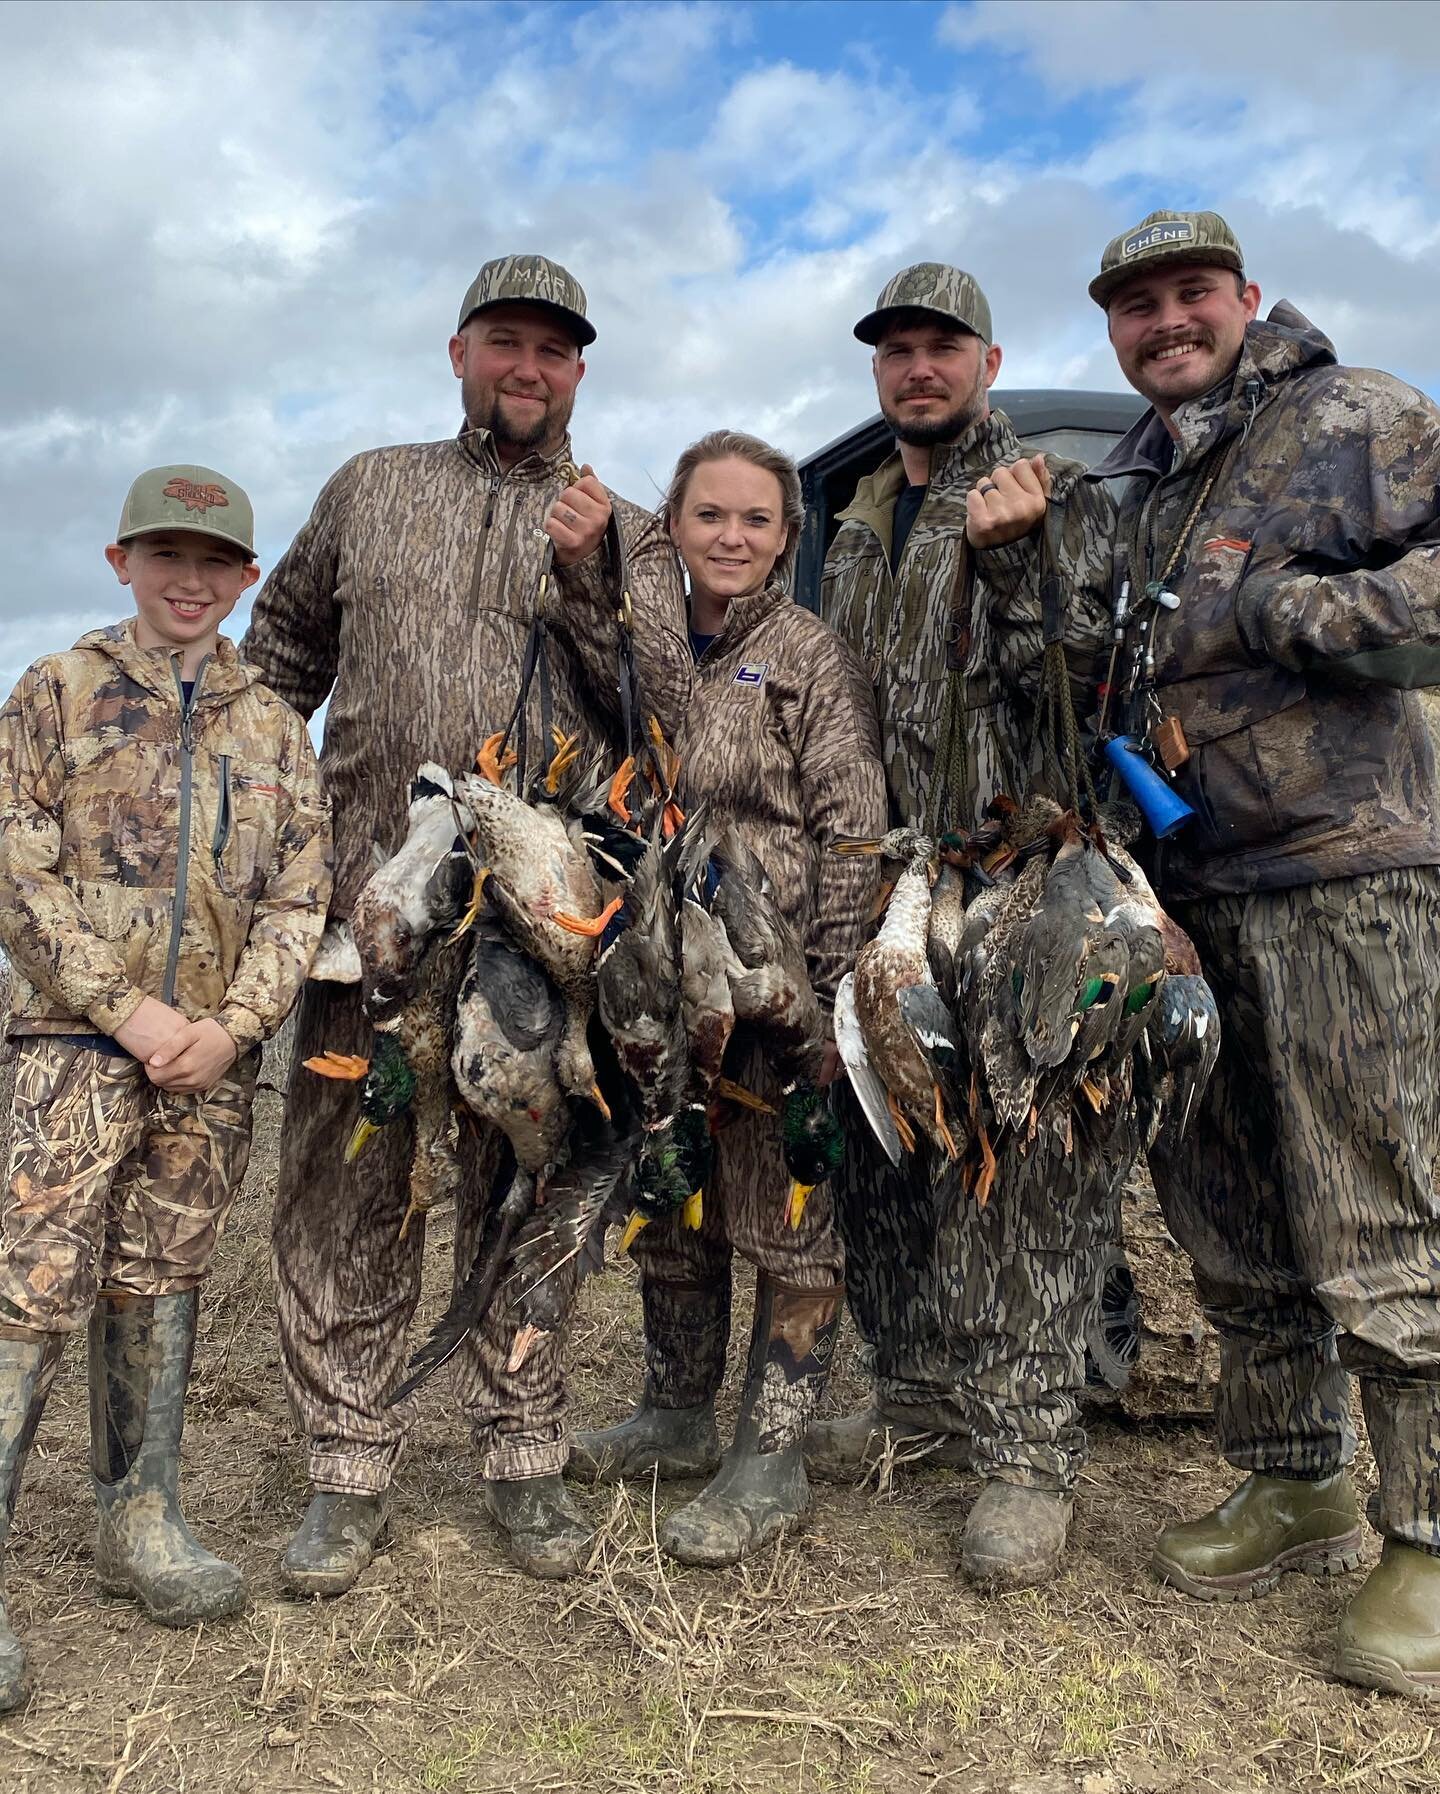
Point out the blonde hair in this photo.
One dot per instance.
(735, 445)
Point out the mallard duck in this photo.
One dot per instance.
(1059, 972)
(895, 960)
(1178, 1050)
(947, 925)
(812, 1143)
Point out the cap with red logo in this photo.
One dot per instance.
(188, 498)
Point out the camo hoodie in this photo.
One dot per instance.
(1309, 613)
(781, 741)
(147, 849)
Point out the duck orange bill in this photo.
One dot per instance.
(597, 1097)
(795, 1203)
(737, 1093)
(855, 845)
(593, 926)
(521, 1347)
(349, 1066)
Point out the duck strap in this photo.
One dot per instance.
(1056, 742)
(950, 766)
(635, 737)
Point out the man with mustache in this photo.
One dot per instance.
(1290, 506)
(407, 600)
(975, 1317)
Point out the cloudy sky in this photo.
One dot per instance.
(238, 234)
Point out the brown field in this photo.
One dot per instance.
(848, 1658)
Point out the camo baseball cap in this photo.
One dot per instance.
(529, 280)
(190, 498)
(930, 286)
(1165, 237)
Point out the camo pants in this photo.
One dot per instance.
(1307, 1200)
(114, 1184)
(347, 1285)
(976, 1318)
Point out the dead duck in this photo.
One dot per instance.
(1066, 963)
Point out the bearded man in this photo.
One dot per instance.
(406, 600)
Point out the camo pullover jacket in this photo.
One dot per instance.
(935, 618)
(147, 849)
(1309, 614)
(781, 741)
(406, 599)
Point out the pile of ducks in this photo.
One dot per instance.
(1025, 995)
(597, 922)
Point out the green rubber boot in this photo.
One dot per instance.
(27, 1369)
(1269, 1525)
(761, 1487)
(672, 1430)
(848, 1448)
(141, 1349)
(333, 1544)
(546, 1535)
(1015, 1536)
(1390, 1633)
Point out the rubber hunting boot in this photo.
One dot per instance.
(1390, 1633)
(546, 1535)
(761, 1486)
(1015, 1536)
(847, 1448)
(27, 1369)
(334, 1543)
(1270, 1524)
(672, 1430)
(141, 1349)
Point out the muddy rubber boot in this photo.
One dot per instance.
(1389, 1635)
(761, 1487)
(141, 1349)
(333, 1544)
(1269, 1525)
(672, 1430)
(1015, 1536)
(27, 1369)
(847, 1448)
(546, 1535)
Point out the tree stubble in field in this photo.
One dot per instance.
(846, 1660)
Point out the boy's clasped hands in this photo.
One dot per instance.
(177, 1054)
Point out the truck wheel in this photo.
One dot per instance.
(1112, 1340)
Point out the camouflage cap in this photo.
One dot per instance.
(189, 498)
(529, 280)
(930, 286)
(1165, 237)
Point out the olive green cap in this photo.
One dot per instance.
(930, 286)
(190, 498)
(1165, 237)
(529, 280)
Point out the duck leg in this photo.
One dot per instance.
(491, 764)
(593, 926)
(902, 1125)
(942, 1127)
(620, 789)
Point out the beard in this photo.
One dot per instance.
(484, 411)
(929, 431)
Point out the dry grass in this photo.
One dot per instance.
(848, 1660)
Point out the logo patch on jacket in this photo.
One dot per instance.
(197, 498)
(751, 675)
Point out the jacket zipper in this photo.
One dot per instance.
(182, 852)
(495, 481)
(223, 815)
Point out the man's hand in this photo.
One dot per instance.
(1007, 504)
(153, 1025)
(578, 519)
(194, 1059)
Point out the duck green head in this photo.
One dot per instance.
(388, 1091)
(812, 1144)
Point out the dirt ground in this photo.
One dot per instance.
(848, 1658)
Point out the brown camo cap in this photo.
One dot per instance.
(529, 280)
(1165, 237)
(930, 286)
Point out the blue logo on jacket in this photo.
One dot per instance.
(748, 675)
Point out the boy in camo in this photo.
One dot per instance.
(1291, 506)
(976, 1318)
(164, 871)
(406, 601)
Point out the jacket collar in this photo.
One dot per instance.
(744, 614)
(478, 447)
(157, 669)
(951, 464)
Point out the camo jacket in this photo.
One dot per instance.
(1309, 614)
(906, 629)
(407, 598)
(150, 851)
(781, 740)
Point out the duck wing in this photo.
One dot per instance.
(869, 1089)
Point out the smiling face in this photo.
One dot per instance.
(1178, 330)
(729, 529)
(185, 585)
(932, 378)
(518, 368)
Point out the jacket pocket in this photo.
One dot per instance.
(248, 796)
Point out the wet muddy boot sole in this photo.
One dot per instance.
(667, 1442)
(1331, 1557)
(334, 1544)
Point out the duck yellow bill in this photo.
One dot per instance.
(743, 1098)
(693, 1212)
(632, 1229)
(857, 845)
(795, 1207)
(365, 1132)
(597, 1097)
